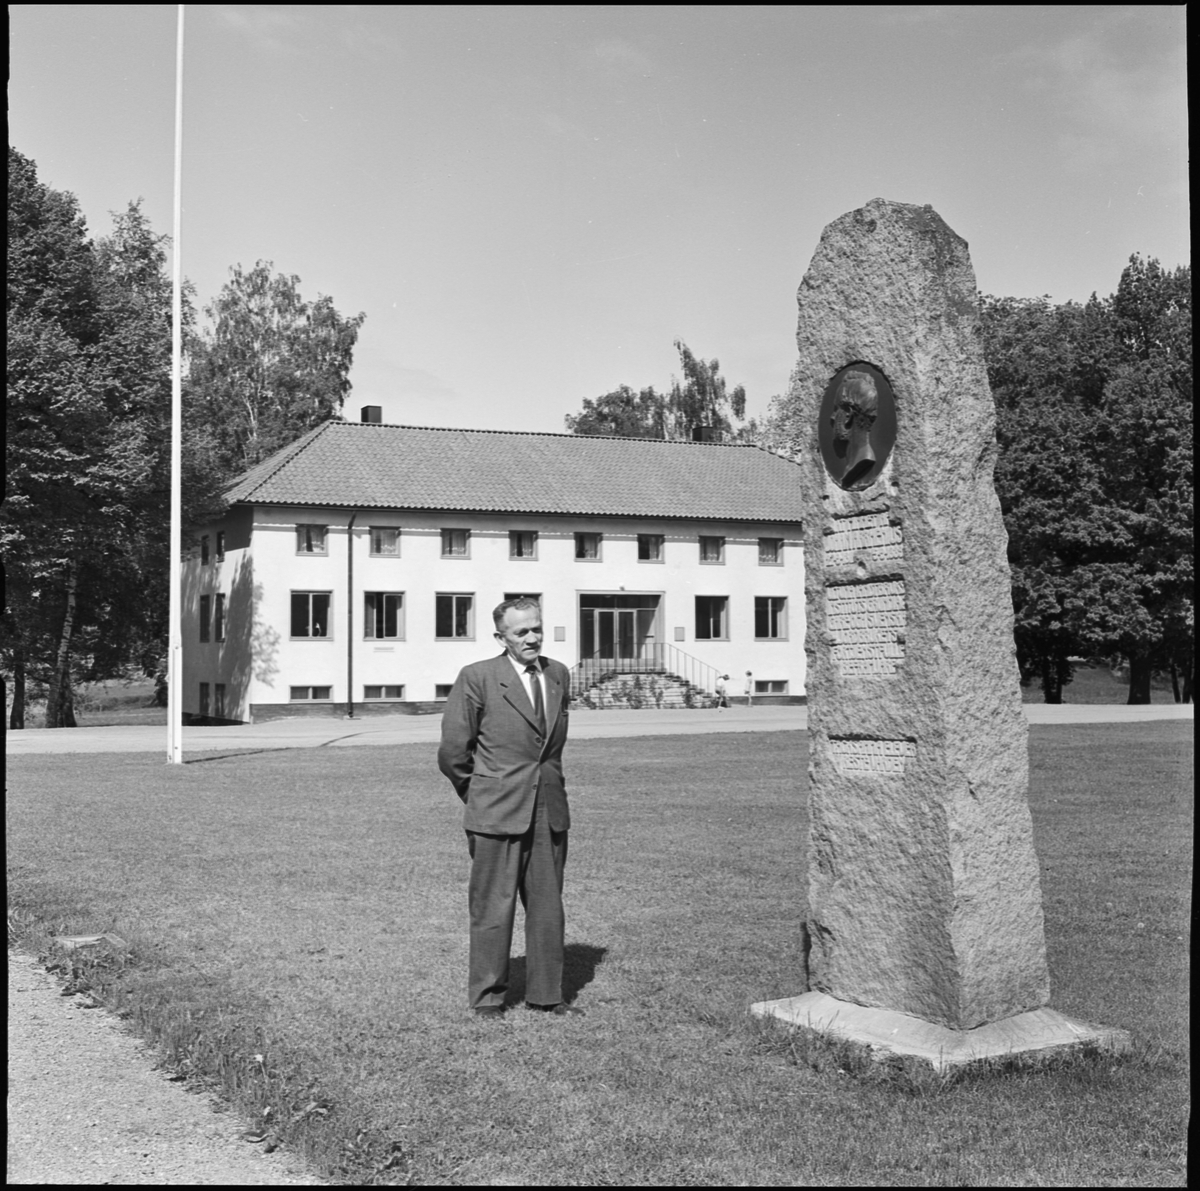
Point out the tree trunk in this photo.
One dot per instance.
(1175, 683)
(16, 718)
(65, 712)
(1189, 678)
(60, 711)
(1140, 670)
(1052, 679)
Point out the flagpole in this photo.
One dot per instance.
(175, 635)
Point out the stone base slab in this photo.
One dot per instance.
(898, 1033)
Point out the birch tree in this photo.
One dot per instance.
(267, 367)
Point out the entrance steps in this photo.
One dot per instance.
(653, 691)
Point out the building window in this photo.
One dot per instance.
(310, 539)
(220, 545)
(205, 617)
(772, 686)
(770, 617)
(535, 596)
(219, 618)
(650, 547)
(522, 543)
(442, 690)
(204, 699)
(300, 693)
(310, 613)
(384, 616)
(455, 616)
(383, 692)
(204, 550)
(456, 543)
(712, 549)
(712, 618)
(587, 546)
(770, 552)
(219, 701)
(385, 541)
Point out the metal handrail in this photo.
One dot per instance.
(657, 658)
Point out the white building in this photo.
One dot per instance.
(356, 570)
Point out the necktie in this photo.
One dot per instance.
(535, 687)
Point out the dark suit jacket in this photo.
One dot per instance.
(494, 753)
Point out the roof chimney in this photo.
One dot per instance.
(372, 413)
(705, 434)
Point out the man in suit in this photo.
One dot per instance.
(503, 733)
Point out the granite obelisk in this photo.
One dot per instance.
(925, 914)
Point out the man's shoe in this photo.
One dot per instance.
(490, 1011)
(562, 1009)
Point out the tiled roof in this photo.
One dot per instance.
(369, 465)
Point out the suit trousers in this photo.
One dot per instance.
(503, 868)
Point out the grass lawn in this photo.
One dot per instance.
(297, 925)
(116, 704)
(1098, 684)
(101, 705)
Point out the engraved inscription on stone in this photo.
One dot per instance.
(871, 756)
(865, 622)
(868, 536)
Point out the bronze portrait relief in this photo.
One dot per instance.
(857, 425)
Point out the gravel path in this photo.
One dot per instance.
(86, 1105)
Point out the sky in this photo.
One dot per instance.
(531, 204)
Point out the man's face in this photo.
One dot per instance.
(521, 634)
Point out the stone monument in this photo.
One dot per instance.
(925, 913)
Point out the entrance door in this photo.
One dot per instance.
(616, 632)
(618, 629)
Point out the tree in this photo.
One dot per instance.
(701, 399)
(85, 525)
(1140, 594)
(780, 430)
(49, 413)
(1047, 397)
(623, 414)
(124, 626)
(1140, 597)
(53, 417)
(1095, 474)
(269, 367)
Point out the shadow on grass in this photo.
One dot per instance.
(580, 961)
(338, 739)
(228, 756)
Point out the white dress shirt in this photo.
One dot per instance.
(526, 677)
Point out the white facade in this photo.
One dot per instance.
(343, 595)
